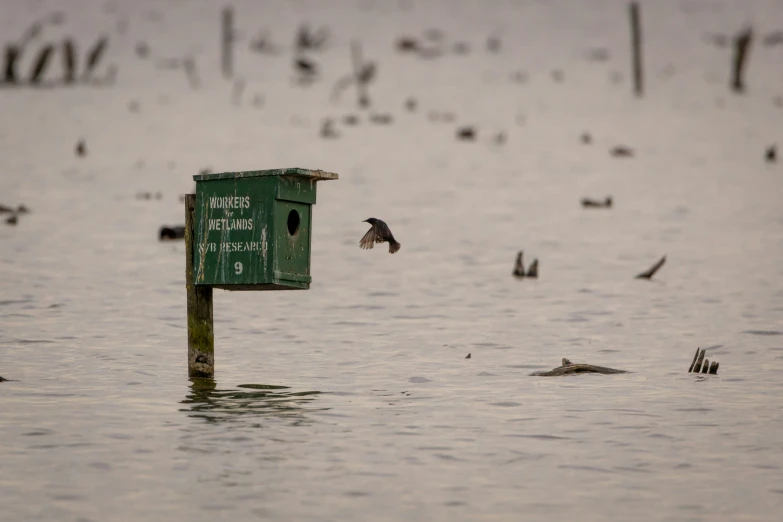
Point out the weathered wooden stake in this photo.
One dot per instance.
(12, 54)
(741, 50)
(702, 365)
(69, 60)
(228, 42)
(695, 356)
(699, 361)
(201, 337)
(636, 48)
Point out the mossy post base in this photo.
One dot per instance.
(201, 337)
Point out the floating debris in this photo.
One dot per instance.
(647, 274)
(595, 203)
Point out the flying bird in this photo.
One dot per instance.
(594, 203)
(647, 274)
(379, 233)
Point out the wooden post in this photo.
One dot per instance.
(741, 49)
(228, 42)
(201, 337)
(636, 47)
(699, 361)
(695, 356)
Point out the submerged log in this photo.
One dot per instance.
(569, 368)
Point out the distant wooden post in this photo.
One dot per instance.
(741, 50)
(702, 365)
(227, 42)
(636, 48)
(201, 337)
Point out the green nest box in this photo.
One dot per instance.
(253, 229)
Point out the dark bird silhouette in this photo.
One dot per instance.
(305, 66)
(594, 203)
(647, 274)
(13, 219)
(379, 233)
(771, 154)
(621, 151)
(406, 44)
(81, 149)
(519, 268)
(410, 104)
(351, 119)
(587, 139)
(466, 134)
(169, 233)
(468, 357)
(4, 209)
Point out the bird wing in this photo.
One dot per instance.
(369, 239)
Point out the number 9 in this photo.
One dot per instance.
(238, 267)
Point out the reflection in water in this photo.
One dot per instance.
(215, 406)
